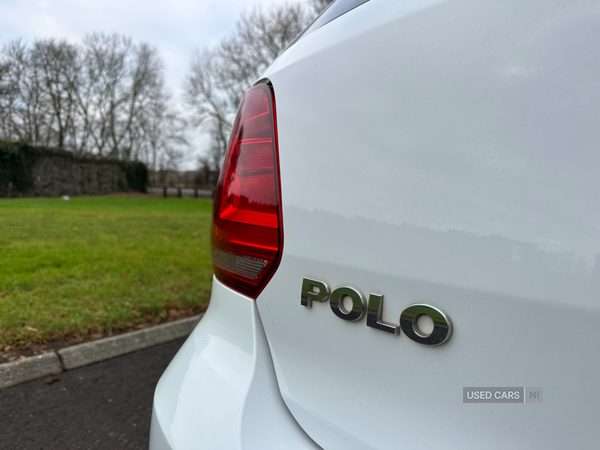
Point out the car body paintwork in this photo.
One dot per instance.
(220, 392)
(437, 152)
(443, 153)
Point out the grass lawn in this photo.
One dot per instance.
(90, 265)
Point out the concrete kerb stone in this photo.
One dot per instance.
(68, 358)
(94, 351)
(28, 369)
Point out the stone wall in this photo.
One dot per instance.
(27, 170)
(55, 175)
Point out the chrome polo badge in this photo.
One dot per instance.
(319, 291)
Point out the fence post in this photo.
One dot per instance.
(178, 192)
(165, 192)
(196, 193)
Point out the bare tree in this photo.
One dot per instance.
(5, 97)
(164, 133)
(101, 96)
(120, 80)
(260, 36)
(219, 77)
(319, 5)
(105, 96)
(57, 65)
(210, 105)
(144, 70)
(25, 112)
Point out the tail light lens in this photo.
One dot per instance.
(247, 230)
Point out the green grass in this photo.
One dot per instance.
(99, 264)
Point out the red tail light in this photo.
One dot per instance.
(247, 230)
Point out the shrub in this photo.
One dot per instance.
(16, 162)
(137, 175)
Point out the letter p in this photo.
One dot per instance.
(314, 290)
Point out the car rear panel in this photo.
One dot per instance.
(219, 392)
(443, 153)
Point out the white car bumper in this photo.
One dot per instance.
(220, 390)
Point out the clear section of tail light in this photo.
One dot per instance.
(247, 230)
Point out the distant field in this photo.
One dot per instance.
(99, 264)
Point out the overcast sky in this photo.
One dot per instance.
(175, 27)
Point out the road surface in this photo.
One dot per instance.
(102, 406)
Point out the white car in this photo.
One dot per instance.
(406, 239)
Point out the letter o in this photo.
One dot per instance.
(442, 326)
(359, 304)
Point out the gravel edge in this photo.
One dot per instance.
(80, 355)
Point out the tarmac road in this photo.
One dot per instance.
(102, 406)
